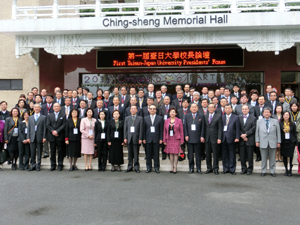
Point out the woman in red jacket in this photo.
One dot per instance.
(173, 138)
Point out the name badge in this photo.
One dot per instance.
(152, 129)
(75, 130)
(15, 130)
(102, 135)
(35, 127)
(287, 135)
(225, 128)
(295, 123)
(183, 122)
(260, 117)
(116, 134)
(91, 132)
(132, 129)
(122, 105)
(3, 121)
(171, 133)
(193, 126)
(165, 117)
(25, 130)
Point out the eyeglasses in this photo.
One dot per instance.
(152, 108)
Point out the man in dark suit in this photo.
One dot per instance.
(30, 98)
(106, 101)
(146, 109)
(99, 108)
(194, 132)
(116, 106)
(142, 102)
(273, 102)
(133, 102)
(236, 92)
(247, 139)
(75, 100)
(132, 92)
(59, 99)
(3, 113)
(150, 92)
(46, 110)
(259, 108)
(253, 100)
(124, 98)
(231, 135)
(116, 94)
(221, 110)
(164, 93)
(177, 102)
(186, 89)
(269, 89)
(196, 98)
(153, 137)
(227, 94)
(181, 113)
(216, 101)
(213, 138)
(203, 110)
(234, 104)
(90, 103)
(177, 88)
(67, 108)
(44, 95)
(36, 136)
(133, 136)
(56, 136)
(204, 93)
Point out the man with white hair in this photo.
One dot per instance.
(196, 98)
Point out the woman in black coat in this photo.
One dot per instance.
(101, 140)
(288, 141)
(115, 139)
(11, 134)
(24, 145)
(73, 138)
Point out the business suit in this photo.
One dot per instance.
(91, 104)
(247, 147)
(125, 101)
(141, 102)
(11, 135)
(133, 139)
(75, 102)
(213, 132)
(177, 103)
(166, 94)
(96, 112)
(128, 113)
(101, 142)
(258, 110)
(153, 137)
(63, 111)
(24, 149)
(81, 113)
(148, 94)
(4, 115)
(273, 105)
(46, 109)
(220, 111)
(181, 114)
(56, 123)
(107, 103)
(159, 103)
(231, 131)
(194, 129)
(239, 112)
(60, 101)
(36, 139)
(112, 108)
(268, 142)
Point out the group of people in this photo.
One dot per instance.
(214, 125)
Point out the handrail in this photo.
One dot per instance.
(142, 8)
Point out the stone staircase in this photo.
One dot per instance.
(183, 166)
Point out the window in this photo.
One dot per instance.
(11, 84)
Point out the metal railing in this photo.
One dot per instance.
(184, 7)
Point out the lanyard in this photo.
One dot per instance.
(16, 122)
(75, 122)
(227, 119)
(133, 119)
(295, 116)
(117, 125)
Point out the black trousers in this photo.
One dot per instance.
(24, 152)
(57, 145)
(257, 151)
(212, 148)
(229, 156)
(163, 150)
(152, 151)
(194, 148)
(246, 152)
(133, 154)
(202, 150)
(36, 147)
(102, 154)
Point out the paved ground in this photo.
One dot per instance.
(94, 197)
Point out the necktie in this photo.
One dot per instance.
(36, 117)
(267, 124)
(56, 114)
(193, 116)
(210, 118)
(245, 119)
(180, 103)
(152, 119)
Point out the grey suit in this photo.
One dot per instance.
(36, 139)
(238, 109)
(133, 139)
(268, 142)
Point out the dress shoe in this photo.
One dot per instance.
(208, 171)
(199, 171)
(38, 169)
(290, 174)
(233, 173)
(86, 170)
(263, 174)
(52, 168)
(119, 170)
(71, 169)
(243, 172)
(249, 173)
(171, 171)
(45, 156)
(32, 168)
(12, 167)
(286, 173)
(157, 171)
(164, 158)
(137, 171)
(99, 169)
(75, 168)
(148, 171)
(258, 159)
(239, 159)
(273, 174)
(216, 172)
(191, 171)
(103, 170)
(128, 170)
(90, 169)
(224, 172)
(202, 158)
(59, 168)
(220, 159)
(8, 162)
